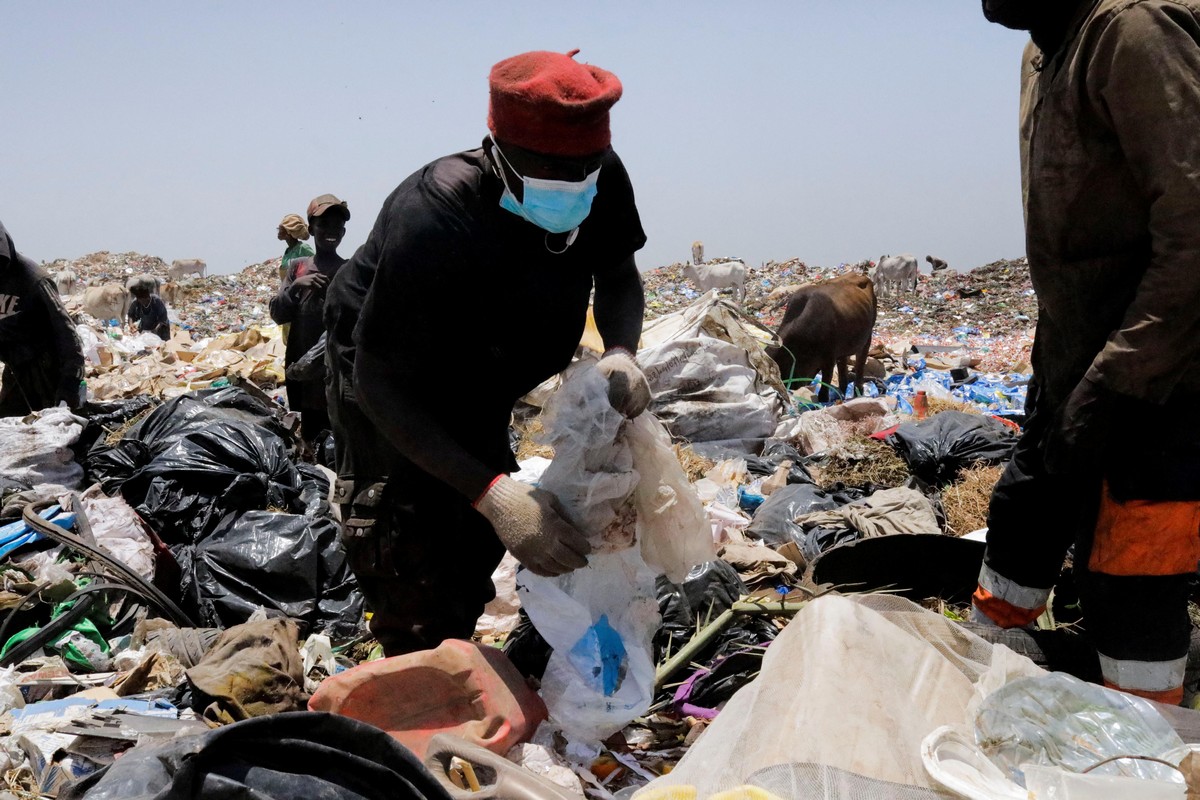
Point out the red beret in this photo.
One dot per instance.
(550, 103)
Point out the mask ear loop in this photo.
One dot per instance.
(571, 237)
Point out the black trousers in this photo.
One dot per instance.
(1134, 609)
(422, 556)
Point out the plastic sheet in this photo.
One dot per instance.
(775, 520)
(938, 448)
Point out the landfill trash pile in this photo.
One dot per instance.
(989, 312)
(173, 583)
(209, 305)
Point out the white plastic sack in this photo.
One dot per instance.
(600, 620)
(38, 452)
(704, 390)
(118, 531)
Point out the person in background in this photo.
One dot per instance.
(519, 232)
(150, 313)
(301, 303)
(293, 230)
(1110, 456)
(41, 353)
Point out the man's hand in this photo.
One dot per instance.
(1080, 431)
(312, 280)
(533, 531)
(628, 389)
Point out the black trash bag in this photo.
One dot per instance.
(195, 411)
(774, 520)
(938, 448)
(300, 754)
(227, 466)
(816, 540)
(708, 591)
(774, 455)
(711, 688)
(314, 491)
(311, 366)
(526, 648)
(287, 563)
(111, 466)
(105, 418)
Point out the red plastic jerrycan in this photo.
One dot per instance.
(459, 687)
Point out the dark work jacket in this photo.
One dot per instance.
(303, 308)
(1111, 177)
(34, 326)
(466, 300)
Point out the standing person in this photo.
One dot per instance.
(293, 230)
(149, 312)
(512, 237)
(1110, 458)
(301, 302)
(42, 357)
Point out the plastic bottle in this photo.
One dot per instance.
(920, 404)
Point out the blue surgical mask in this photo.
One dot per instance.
(554, 206)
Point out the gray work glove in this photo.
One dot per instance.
(535, 533)
(628, 389)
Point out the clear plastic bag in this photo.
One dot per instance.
(1060, 721)
(621, 484)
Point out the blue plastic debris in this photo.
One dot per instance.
(601, 656)
(17, 534)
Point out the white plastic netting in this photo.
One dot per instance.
(845, 697)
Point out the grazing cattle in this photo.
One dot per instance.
(149, 282)
(936, 264)
(66, 281)
(107, 302)
(824, 323)
(171, 293)
(697, 252)
(719, 275)
(895, 274)
(188, 266)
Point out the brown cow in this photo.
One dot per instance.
(824, 323)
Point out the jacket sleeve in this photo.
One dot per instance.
(1144, 74)
(284, 305)
(66, 342)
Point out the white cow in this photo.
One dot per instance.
(719, 275)
(107, 302)
(171, 293)
(65, 280)
(697, 252)
(895, 274)
(187, 266)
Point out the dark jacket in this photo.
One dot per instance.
(1111, 177)
(35, 330)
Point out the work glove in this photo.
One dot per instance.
(628, 389)
(1080, 431)
(535, 533)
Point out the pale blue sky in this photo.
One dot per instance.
(824, 129)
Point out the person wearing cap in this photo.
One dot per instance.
(512, 237)
(293, 231)
(41, 353)
(300, 304)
